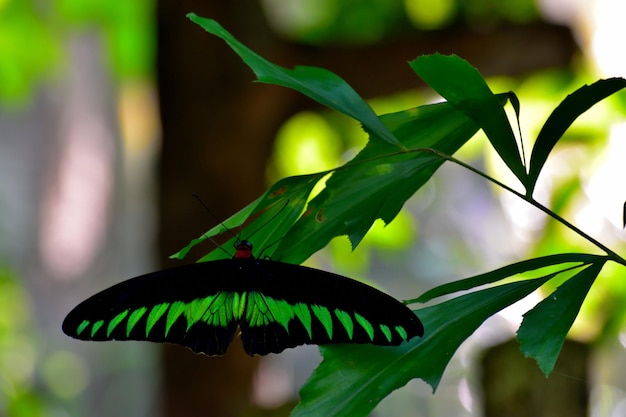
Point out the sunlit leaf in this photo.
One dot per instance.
(562, 118)
(544, 328)
(379, 180)
(505, 272)
(463, 86)
(317, 83)
(353, 379)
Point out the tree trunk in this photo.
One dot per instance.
(217, 132)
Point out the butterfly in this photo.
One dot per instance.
(273, 305)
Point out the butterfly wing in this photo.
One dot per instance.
(276, 305)
(192, 305)
(291, 305)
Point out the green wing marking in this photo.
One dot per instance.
(323, 315)
(367, 326)
(346, 321)
(95, 327)
(196, 310)
(134, 317)
(386, 331)
(156, 313)
(304, 315)
(116, 320)
(401, 331)
(239, 304)
(82, 326)
(176, 310)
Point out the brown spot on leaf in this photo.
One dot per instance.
(278, 192)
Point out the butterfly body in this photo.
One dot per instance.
(275, 305)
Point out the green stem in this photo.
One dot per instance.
(611, 254)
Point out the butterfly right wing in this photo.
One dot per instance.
(291, 305)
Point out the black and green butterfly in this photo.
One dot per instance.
(274, 305)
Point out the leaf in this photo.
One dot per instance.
(544, 328)
(277, 209)
(514, 100)
(317, 83)
(463, 86)
(382, 177)
(379, 180)
(562, 118)
(232, 223)
(505, 272)
(352, 379)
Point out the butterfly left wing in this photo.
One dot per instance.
(190, 305)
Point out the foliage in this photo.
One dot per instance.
(21, 32)
(125, 27)
(367, 21)
(18, 396)
(403, 152)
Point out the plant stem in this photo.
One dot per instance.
(611, 254)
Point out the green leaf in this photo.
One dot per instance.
(232, 223)
(268, 217)
(514, 100)
(319, 84)
(463, 86)
(352, 379)
(544, 328)
(379, 180)
(505, 272)
(562, 118)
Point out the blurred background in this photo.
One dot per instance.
(112, 113)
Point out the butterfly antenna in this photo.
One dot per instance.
(197, 197)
